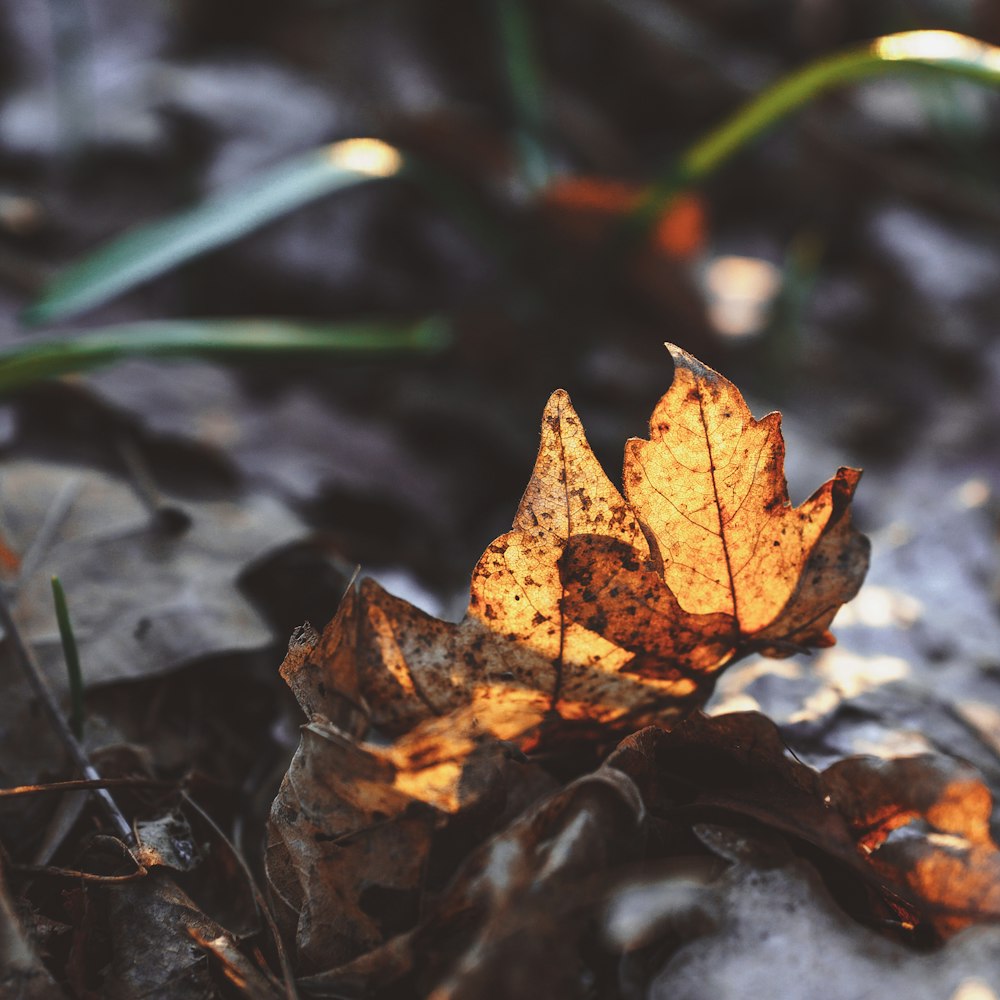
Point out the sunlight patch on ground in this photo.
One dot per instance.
(731, 695)
(848, 676)
(972, 493)
(984, 720)
(973, 989)
(890, 743)
(880, 607)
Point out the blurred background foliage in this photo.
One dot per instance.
(843, 266)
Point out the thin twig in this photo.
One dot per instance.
(85, 784)
(48, 701)
(99, 840)
(74, 873)
(287, 974)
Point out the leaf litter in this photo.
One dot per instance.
(598, 613)
(451, 824)
(151, 590)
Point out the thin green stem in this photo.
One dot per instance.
(942, 52)
(72, 657)
(43, 692)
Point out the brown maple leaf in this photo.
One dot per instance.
(600, 608)
(595, 612)
(709, 489)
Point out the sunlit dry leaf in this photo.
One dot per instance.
(595, 613)
(923, 823)
(710, 488)
(516, 658)
(594, 608)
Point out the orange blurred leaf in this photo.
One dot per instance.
(10, 561)
(923, 824)
(588, 208)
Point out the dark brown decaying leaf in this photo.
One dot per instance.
(593, 614)
(915, 829)
(22, 973)
(153, 954)
(511, 922)
(146, 594)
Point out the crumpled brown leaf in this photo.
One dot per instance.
(617, 849)
(914, 829)
(511, 922)
(594, 613)
(599, 609)
(351, 836)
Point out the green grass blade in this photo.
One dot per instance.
(223, 339)
(152, 249)
(520, 55)
(72, 656)
(939, 52)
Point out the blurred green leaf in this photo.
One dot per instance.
(237, 338)
(944, 53)
(520, 55)
(152, 249)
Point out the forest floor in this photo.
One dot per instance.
(197, 513)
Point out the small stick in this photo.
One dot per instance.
(287, 975)
(48, 701)
(85, 784)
